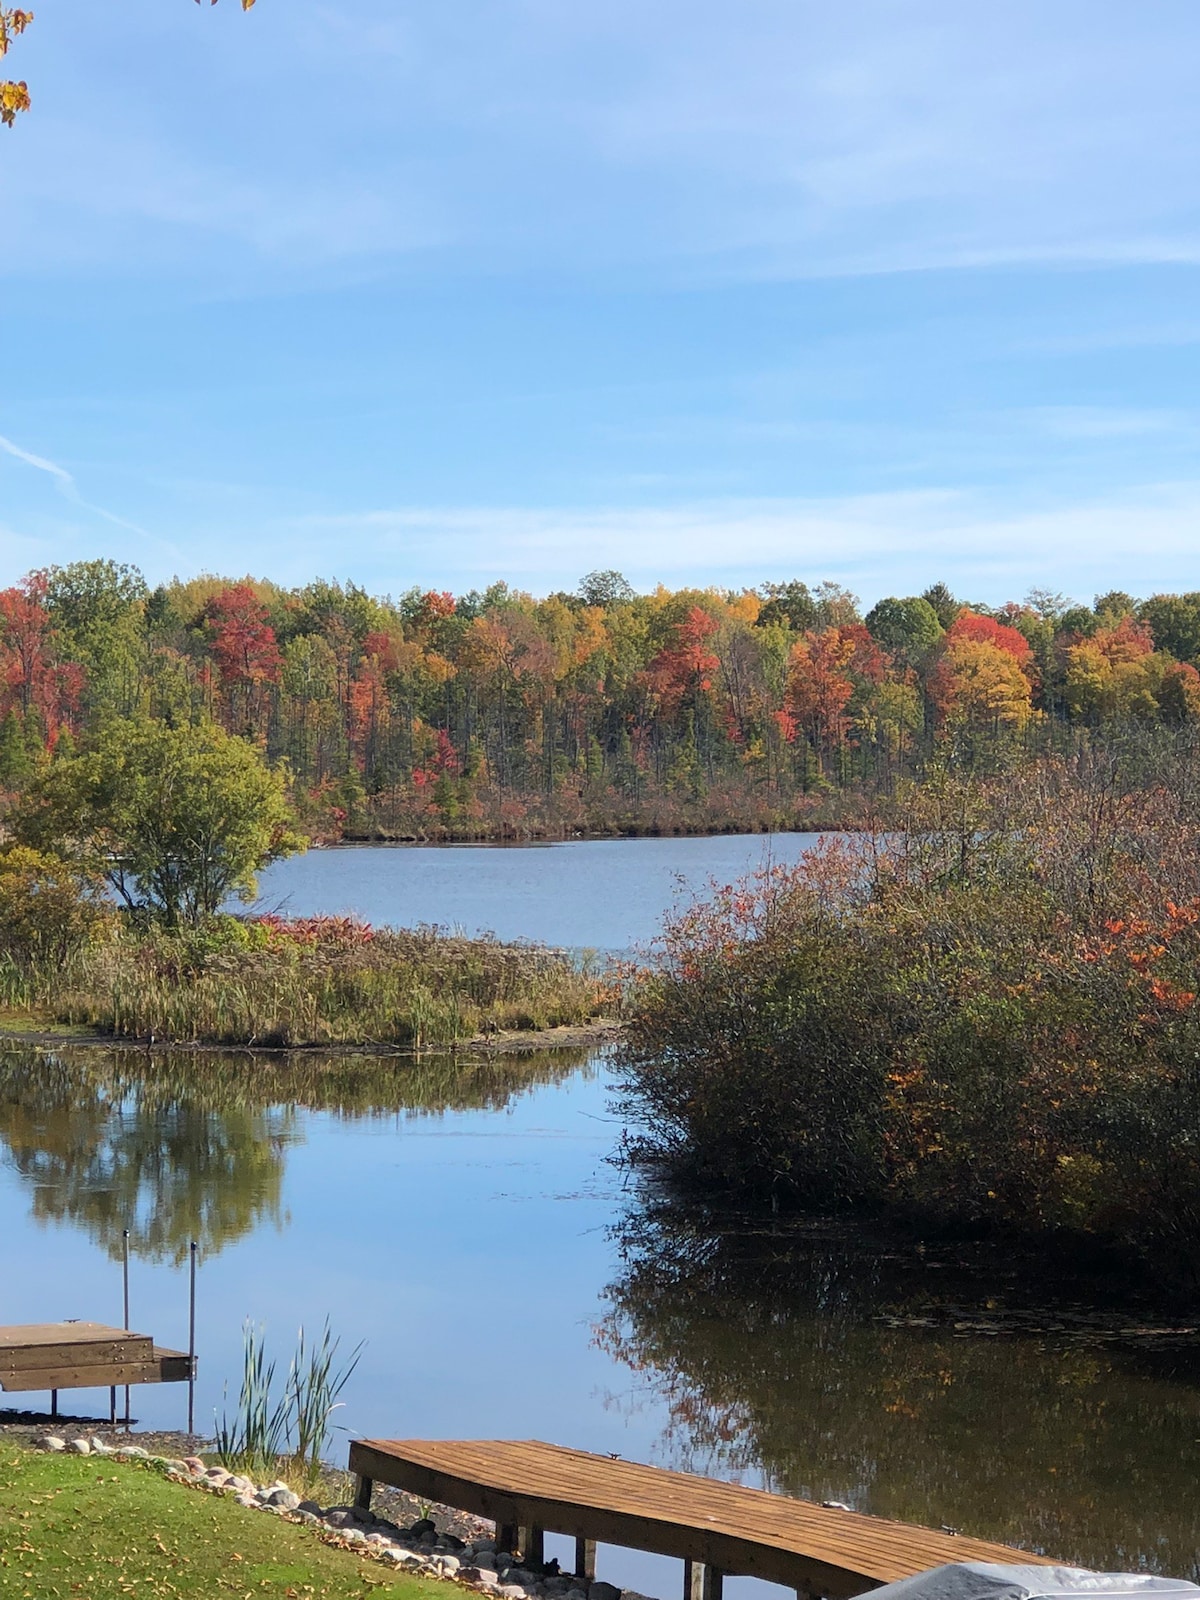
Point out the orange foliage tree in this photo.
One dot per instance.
(824, 671)
(983, 676)
(34, 680)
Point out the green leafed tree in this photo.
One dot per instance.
(908, 629)
(176, 819)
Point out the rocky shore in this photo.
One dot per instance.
(439, 1542)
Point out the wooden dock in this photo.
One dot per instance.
(84, 1355)
(528, 1489)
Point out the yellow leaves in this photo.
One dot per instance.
(12, 23)
(978, 682)
(14, 97)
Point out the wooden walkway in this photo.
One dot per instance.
(528, 1488)
(84, 1355)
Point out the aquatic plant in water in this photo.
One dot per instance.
(290, 1431)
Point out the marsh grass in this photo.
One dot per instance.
(285, 1434)
(323, 982)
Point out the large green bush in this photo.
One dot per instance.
(988, 1016)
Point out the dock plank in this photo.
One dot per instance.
(733, 1529)
(83, 1355)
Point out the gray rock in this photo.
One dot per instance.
(217, 1476)
(422, 1526)
(604, 1591)
(450, 1564)
(79, 1447)
(308, 1508)
(99, 1448)
(354, 1536)
(285, 1499)
(453, 1542)
(136, 1452)
(482, 1545)
(239, 1484)
(340, 1517)
(511, 1591)
(49, 1441)
(244, 1498)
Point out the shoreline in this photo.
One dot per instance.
(382, 837)
(605, 1030)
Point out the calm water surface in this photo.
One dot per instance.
(469, 1228)
(602, 894)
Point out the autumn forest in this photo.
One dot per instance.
(496, 714)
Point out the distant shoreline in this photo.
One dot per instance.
(515, 1042)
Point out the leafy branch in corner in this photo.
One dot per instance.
(14, 96)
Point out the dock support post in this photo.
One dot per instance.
(506, 1536)
(362, 1491)
(192, 1340)
(125, 1303)
(702, 1582)
(585, 1559)
(112, 1407)
(54, 1402)
(532, 1544)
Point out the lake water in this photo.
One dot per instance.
(602, 894)
(471, 1230)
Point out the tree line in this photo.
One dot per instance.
(497, 713)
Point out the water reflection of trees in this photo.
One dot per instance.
(790, 1358)
(177, 1146)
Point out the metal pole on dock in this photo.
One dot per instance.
(192, 1341)
(125, 1307)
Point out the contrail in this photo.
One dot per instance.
(40, 462)
(70, 489)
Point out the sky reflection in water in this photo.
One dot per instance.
(470, 1240)
(471, 1231)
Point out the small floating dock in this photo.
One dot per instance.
(84, 1355)
(529, 1489)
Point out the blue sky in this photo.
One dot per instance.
(712, 293)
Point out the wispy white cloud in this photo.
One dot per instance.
(39, 462)
(1142, 539)
(65, 483)
(780, 137)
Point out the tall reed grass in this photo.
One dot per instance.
(327, 983)
(287, 1432)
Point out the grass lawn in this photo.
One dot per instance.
(83, 1528)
